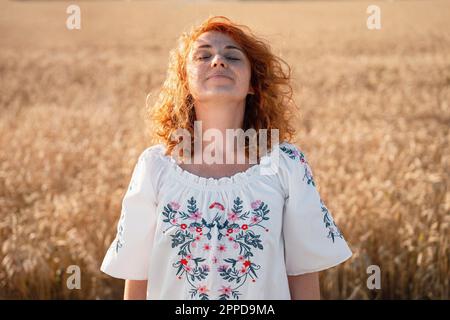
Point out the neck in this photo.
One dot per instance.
(215, 118)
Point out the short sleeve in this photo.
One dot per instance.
(313, 241)
(129, 254)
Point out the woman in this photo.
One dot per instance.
(223, 231)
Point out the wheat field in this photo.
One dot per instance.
(375, 121)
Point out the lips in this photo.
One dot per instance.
(219, 75)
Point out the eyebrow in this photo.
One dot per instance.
(226, 47)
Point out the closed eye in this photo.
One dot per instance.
(230, 58)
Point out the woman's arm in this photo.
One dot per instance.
(305, 286)
(135, 290)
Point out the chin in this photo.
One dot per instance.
(222, 95)
(232, 91)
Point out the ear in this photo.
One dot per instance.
(251, 91)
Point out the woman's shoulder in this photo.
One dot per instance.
(152, 155)
(154, 150)
(292, 162)
(287, 152)
(290, 150)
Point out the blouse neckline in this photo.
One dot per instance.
(238, 178)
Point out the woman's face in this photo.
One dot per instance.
(217, 68)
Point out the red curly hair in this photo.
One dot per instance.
(270, 107)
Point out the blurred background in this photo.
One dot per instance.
(375, 122)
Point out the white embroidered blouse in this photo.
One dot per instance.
(235, 237)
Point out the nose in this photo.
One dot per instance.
(218, 59)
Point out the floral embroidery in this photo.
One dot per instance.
(236, 232)
(217, 205)
(333, 230)
(329, 223)
(294, 154)
(119, 237)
